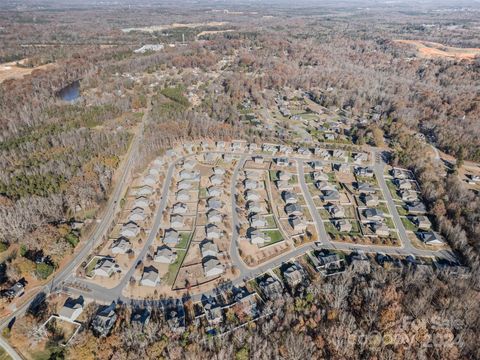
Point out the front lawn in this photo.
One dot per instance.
(173, 268)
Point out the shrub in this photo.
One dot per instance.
(43, 270)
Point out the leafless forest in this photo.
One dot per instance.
(58, 159)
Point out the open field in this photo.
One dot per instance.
(14, 70)
(154, 28)
(431, 50)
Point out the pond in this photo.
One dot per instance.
(70, 92)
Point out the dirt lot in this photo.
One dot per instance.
(11, 70)
(431, 50)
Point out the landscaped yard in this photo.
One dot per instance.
(273, 175)
(275, 236)
(202, 194)
(393, 189)
(173, 268)
(91, 265)
(401, 211)
(270, 221)
(408, 224)
(184, 238)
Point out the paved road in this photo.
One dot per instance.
(319, 225)
(9, 350)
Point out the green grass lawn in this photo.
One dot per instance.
(409, 225)
(308, 179)
(275, 236)
(383, 207)
(393, 189)
(324, 214)
(91, 265)
(401, 211)
(293, 180)
(184, 239)
(4, 355)
(202, 194)
(389, 223)
(173, 268)
(270, 221)
(273, 175)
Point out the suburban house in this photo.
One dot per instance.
(364, 187)
(121, 246)
(257, 221)
(316, 165)
(329, 136)
(214, 203)
(342, 167)
(373, 214)
(422, 222)
(251, 184)
(237, 145)
(220, 145)
(171, 237)
(324, 186)
(258, 159)
(297, 223)
(416, 207)
(137, 214)
(189, 175)
(258, 237)
(214, 216)
(144, 190)
(217, 170)
(360, 264)
(105, 267)
(170, 153)
(331, 195)
(283, 185)
(188, 147)
(16, 290)
(212, 231)
(104, 320)
(130, 230)
(252, 147)
(165, 255)
(204, 145)
(214, 191)
(252, 174)
(212, 266)
(339, 154)
(359, 157)
(150, 180)
(294, 275)
(363, 171)
(431, 238)
(403, 184)
(369, 199)
(379, 228)
(213, 313)
(336, 211)
(325, 154)
(141, 202)
(208, 248)
(71, 309)
(216, 179)
(343, 225)
(319, 176)
(254, 207)
(289, 197)
(210, 157)
(284, 176)
(184, 185)
(304, 151)
(176, 221)
(228, 157)
(285, 149)
(293, 209)
(157, 163)
(183, 195)
(281, 161)
(408, 195)
(251, 195)
(271, 287)
(150, 276)
(329, 264)
(189, 164)
(179, 208)
(399, 173)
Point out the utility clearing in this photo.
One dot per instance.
(430, 50)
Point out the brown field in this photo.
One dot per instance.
(12, 70)
(155, 28)
(431, 50)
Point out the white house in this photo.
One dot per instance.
(208, 248)
(182, 195)
(431, 238)
(214, 191)
(171, 237)
(176, 221)
(130, 230)
(257, 221)
(289, 197)
(257, 237)
(184, 185)
(251, 184)
(214, 216)
(144, 191)
(150, 277)
(179, 208)
(141, 202)
(165, 255)
(149, 180)
(120, 246)
(212, 267)
(105, 267)
(71, 309)
(217, 170)
(216, 179)
(251, 195)
(136, 214)
(212, 231)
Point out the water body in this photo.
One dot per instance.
(70, 92)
